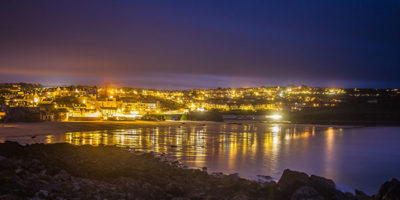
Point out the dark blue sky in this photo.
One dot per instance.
(201, 44)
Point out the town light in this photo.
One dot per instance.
(96, 114)
(200, 109)
(127, 115)
(275, 116)
(275, 129)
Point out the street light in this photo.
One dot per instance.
(275, 116)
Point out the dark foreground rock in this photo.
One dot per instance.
(63, 171)
(389, 190)
(298, 185)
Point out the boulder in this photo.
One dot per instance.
(350, 196)
(390, 190)
(180, 198)
(174, 189)
(306, 193)
(292, 180)
(240, 196)
(11, 149)
(327, 188)
(204, 169)
(62, 175)
(43, 193)
(360, 195)
(318, 181)
(6, 163)
(218, 174)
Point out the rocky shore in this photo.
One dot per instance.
(63, 171)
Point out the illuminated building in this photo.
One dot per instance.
(108, 102)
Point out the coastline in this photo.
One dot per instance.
(44, 128)
(48, 171)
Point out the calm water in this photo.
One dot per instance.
(360, 158)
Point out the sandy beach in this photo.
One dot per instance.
(46, 128)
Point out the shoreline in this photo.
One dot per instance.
(45, 128)
(24, 129)
(33, 170)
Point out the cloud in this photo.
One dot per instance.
(311, 42)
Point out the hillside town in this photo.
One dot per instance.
(33, 102)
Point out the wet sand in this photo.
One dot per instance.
(46, 128)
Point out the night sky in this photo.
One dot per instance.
(201, 44)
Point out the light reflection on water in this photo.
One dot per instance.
(246, 149)
(360, 158)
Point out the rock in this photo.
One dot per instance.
(43, 193)
(292, 180)
(147, 187)
(35, 198)
(127, 182)
(43, 182)
(322, 182)
(76, 186)
(110, 173)
(360, 195)
(180, 198)
(231, 178)
(204, 169)
(43, 172)
(218, 174)
(18, 170)
(306, 193)
(62, 175)
(264, 177)
(176, 163)
(174, 189)
(9, 149)
(197, 194)
(6, 163)
(390, 190)
(8, 197)
(240, 196)
(326, 187)
(350, 196)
